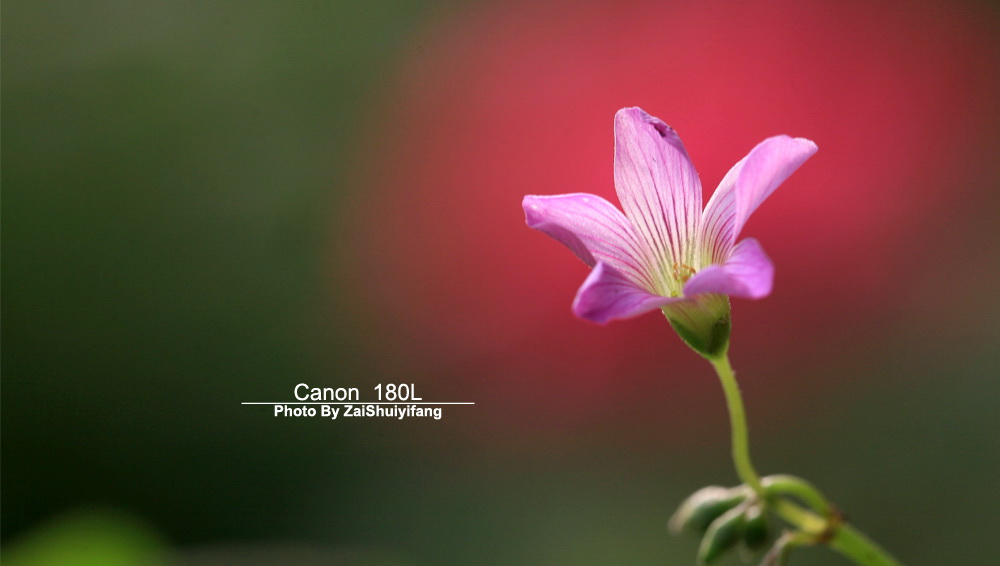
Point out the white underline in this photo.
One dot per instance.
(354, 403)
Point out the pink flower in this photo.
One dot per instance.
(665, 249)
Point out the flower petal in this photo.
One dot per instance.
(607, 295)
(748, 273)
(593, 229)
(742, 190)
(658, 187)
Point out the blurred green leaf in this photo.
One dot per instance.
(88, 538)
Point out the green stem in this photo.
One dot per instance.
(738, 420)
(854, 545)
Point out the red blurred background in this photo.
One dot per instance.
(511, 98)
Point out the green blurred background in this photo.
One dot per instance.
(182, 182)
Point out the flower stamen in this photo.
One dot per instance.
(682, 272)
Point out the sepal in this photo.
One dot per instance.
(703, 322)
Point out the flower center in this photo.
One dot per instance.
(682, 272)
(675, 277)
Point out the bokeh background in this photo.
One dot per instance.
(209, 203)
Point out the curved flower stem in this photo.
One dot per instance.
(738, 420)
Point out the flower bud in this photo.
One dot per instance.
(778, 554)
(704, 506)
(722, 535)
(755, 530)
(702, 322)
